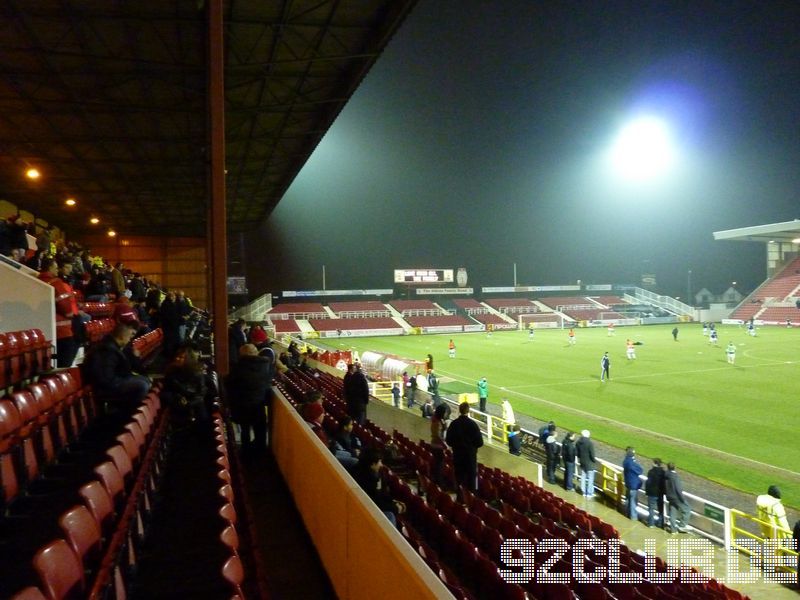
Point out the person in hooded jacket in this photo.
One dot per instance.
(568, 456)
(772, 511)
(679, 509)
(654, 489)
(552, 453)
(247, 384)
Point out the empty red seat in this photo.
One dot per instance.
(83, 534)
(10, 424)
(60, 571)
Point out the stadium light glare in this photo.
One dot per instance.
(796, 241)
(643, 149)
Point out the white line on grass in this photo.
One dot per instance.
(645, 375)
(656, 434)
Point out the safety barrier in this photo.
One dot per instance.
(740, 532)
(357, 544)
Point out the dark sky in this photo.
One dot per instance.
(479, 139)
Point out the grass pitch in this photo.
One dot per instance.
(734, 424)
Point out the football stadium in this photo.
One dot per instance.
(403, 299)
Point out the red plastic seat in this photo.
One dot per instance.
(29, 593)
(99, 503)
(10, 424)
(112, 480)
(82, 533)
(230, 538)
(60, 571)
(122, 461)
(233, 573)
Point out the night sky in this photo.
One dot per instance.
(480, 139)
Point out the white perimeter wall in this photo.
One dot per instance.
(26, 303)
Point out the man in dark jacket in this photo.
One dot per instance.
(464, 438)
(110, 369)
(552, 452)
(584, 448)
(679, 509)
(247, 384)
(367, 474)
(568, 456)
(631, 470)
(356, 394)
(654, 488)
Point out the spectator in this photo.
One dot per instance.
(185, 385)
(412, 391)
(314, 415)
(117, 280)
(137, 288)
(184, 309)
(654, 488)
(258, 336)
(679, 509)
(112, 371)
(433, 388)
(483, 393)
(438, 444)
(96, 290)
(584, 448)
(545, 431)
(345, 446)
(568, 454)
(124, 312)
(247, 384)
(67, 313)
(170, 324)
(368, 476)
(464, 437)
(515, 441)
(771, 510)
(552, 454)
(236, 339)
(508, 412)
(396, 395)
(631, 470)
(406, 386)
(356, 393)
(428, 409)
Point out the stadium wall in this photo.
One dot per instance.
(364, 556)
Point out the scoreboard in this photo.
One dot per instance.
(423, 276)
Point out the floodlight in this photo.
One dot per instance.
(643, 149)
(32, 173)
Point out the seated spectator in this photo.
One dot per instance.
(427, 408)
(185, 385)
(345, 440)
(248, 384)
(124, 312)
(368, 475)
(111, 370)
(314, 415)
(257, 336)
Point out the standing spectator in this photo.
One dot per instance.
(412, 391)
(406, 385)
(584, 448)
(170, 325)
(257, 335)
(679, 509)
(396, 394)
(184, 308)
(438, 444)
(771, 510)
(236, 339)
(552, 454)
(568, 456)
(66, 312)
(464, 437)
(117, 280)
(654, 488)
(605, 367)
(111, 370)
(508, 412)
(247, 385)
(631, 470)
(548, 429)
(357, 395)
(483, 393)
(515, 441)
(137, 288)
(433, 387)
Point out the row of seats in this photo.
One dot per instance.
(98, 549)
(36, 423)
(96, 329)
(148, 343)
(98, 310)
(23, 355)
(469, 535)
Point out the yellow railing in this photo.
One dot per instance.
(740, 533)
(611, 482)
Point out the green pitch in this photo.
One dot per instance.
(680, 400)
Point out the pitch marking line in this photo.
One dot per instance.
(646, 375)
(656, 434)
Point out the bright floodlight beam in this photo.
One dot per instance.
(643, 149)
